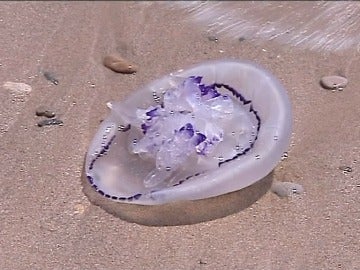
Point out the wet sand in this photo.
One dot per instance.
(48, 221)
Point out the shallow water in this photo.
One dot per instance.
(316, 25)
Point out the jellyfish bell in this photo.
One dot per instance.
(197, 133)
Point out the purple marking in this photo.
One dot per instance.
(199, 138)
(251, 109)
(152, 113)
(188, 129)
(196, 79)
(205, 89)
(144, 128)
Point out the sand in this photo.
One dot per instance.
(49, 221)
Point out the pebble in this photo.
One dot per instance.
(51, 78)
(44, 111)
(118, 64)
(286, 189)
(49, 122)
(334, 82)
(17, 87)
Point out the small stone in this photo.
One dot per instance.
(334, 82)
(241, 39)
(50, 122)
(118, 64)
(44, 111)
(286, 189)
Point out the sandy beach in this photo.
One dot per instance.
(49, 219)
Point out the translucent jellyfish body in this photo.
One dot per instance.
(197, 133)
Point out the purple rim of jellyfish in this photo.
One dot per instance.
(188, 128)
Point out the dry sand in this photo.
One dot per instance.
(47, 221)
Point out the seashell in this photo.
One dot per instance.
(201, 132)
(119, 64)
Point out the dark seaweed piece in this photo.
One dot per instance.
(51, 78)
(213, 38)
(49, 122)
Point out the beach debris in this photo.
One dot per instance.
(345, 169)
(50, 122)
(241, 39)
(118, 64)
(286, 189)
(50, 77)
(334, 82)
(213, 38)
(45, 111)
(18, 88)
